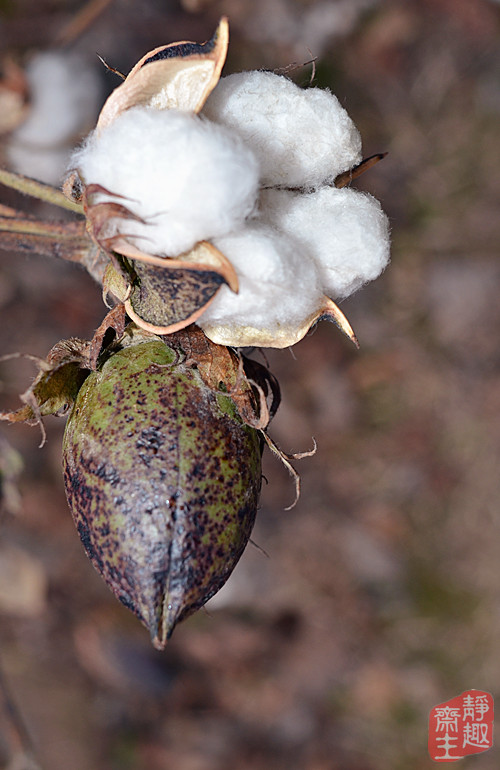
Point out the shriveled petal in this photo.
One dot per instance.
(178, 76)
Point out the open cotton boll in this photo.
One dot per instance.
(278, 290)
(345, 231)
(302, 138)
(189, 179)
(64, 94)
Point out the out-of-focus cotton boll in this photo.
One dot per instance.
(278, 289)
(64, 94)
(44, 163)
(190, 180)
(345, 231)
(302, 138)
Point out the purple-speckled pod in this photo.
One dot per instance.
(162, 477)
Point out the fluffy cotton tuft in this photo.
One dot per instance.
(302, 138)
(345, 231)
(278, 289)
(190, 180)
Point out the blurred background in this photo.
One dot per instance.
(378, 595)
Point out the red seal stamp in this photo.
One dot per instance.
(461, 726)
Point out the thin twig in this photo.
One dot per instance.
(347, 177)
(44, 192)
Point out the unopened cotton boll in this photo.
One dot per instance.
(302, 138)
(345, 231)
(278, 289)
(188, 179)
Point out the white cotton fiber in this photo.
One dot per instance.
(190, 179)
(344, 230)
(277, 288)
(302, 138)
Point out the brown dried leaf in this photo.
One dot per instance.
(114, 321)
(57, 384)
(223, 369)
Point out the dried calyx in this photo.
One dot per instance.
(224, 201)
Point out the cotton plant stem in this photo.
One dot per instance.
(66, 230)
(60, 240)
(7, 211)
(35, 189)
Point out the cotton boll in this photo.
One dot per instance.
(278, 290)
(302, 138)
(46, 164)
(64, 97)
(346, 232)
(64, 93)
(189, 179)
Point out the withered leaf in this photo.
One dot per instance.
(114, 322)
(246, 381)
(57, 384)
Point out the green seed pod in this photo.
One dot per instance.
(162, 474)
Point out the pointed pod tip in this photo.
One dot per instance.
(222, 30)
(331, 312)
(158, 643)
(164, 621)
